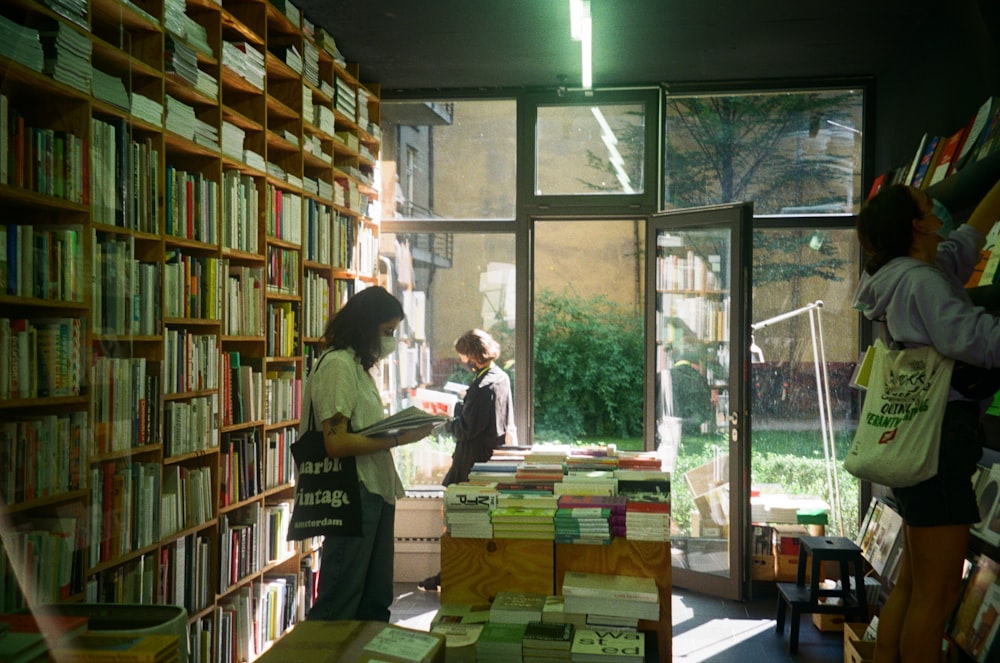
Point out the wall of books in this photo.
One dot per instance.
(189, 193)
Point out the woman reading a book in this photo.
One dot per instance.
(356, 573)
(482, 418)
(914, 285)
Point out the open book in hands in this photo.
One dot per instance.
(407, 419)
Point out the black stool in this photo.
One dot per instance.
(805, 599)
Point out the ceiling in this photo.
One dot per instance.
(470, 44)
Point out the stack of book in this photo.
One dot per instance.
(21, 44)
(600, 646)
(514, 522)
(493, 471)
(146, 109)
(467, 510)
(96, 647)
(67, 56)
(180, 118)
(589, 482)
(647, 519)
(109, 88)
(547, 642)
(606, 594)
(517, 607)
(592, 519)
(647, 513)
(533, 472)
(499, 643)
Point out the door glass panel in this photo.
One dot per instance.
(582, 313)
(692, 312)
(802, 359)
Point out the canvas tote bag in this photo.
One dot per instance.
(327, 493)
(899, 433)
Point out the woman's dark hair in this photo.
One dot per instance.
(885, 227)
(478, 346)
(356, 325)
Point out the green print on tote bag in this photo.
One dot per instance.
(899, 432)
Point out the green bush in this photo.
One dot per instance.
(588, 368)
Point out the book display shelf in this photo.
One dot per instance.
(473, 571)
(957, 170)
(189, 193)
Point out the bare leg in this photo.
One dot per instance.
(893, 615)
(936, 556)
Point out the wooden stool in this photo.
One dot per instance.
(805, 599)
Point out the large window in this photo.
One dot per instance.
(803, 420)
(790, 152)
(448, 283)
(593, 149)
(448, 160)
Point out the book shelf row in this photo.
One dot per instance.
(191, 195)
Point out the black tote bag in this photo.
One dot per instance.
(327, 494)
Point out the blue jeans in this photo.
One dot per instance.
(355, 573)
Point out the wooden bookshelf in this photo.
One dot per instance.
(176, 241)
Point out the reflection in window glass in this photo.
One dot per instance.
(588, 332)
(448, 160)
(448, 283)
(793, 268)
(589, 149)
(789, 152)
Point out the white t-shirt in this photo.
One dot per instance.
(340, 384)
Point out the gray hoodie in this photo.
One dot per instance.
(926, 304)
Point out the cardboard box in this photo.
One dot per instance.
(786, 568)
(786, 538)
(762, 567)
(861, 651)
(828, 623)
(853, 632)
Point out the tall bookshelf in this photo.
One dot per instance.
(190, 194)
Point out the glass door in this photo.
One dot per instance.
(698, 268)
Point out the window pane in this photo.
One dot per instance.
(590, 149)
(588, 332)
(448, 160)
(788, 152)
(448, 283)
(792, 269)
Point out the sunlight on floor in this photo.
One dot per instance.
(716, 636)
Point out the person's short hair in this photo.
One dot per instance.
(478, 345)
(885, 227)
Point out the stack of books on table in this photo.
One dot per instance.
(592, 482)
(467, 510)
(532, 472)
(608, 646)
(590, 519)
(647, 519)
(494, 470)
(517, 607)
(524, 523)
(461, 625)
(610, 595)
(500, 643)
(546, 642)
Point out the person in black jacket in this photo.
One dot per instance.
(482, 418)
